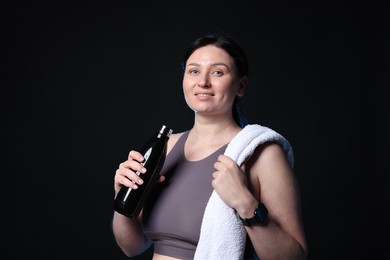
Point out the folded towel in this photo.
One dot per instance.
(222, 234)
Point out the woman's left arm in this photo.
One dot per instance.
(268, 179)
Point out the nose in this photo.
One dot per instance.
(203, 82)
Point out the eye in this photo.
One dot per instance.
(193, 72)
(217, 73)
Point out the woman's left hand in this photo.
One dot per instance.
(229, 181)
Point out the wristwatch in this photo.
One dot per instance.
(260, 216)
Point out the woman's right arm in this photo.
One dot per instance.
(128, 232)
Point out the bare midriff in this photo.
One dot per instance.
(163, 257)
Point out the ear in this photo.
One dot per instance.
(242, 88)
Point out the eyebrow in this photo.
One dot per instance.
(212, 65)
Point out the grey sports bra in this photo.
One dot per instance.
(173, 213)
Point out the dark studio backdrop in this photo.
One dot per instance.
(82, 84)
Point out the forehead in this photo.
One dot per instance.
(210, 53)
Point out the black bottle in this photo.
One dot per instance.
(129, 202)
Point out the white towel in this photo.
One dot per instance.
(222, 234)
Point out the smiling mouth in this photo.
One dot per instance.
(203, 94)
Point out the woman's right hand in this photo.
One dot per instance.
(128, 172)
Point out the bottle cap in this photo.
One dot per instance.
(166, 130)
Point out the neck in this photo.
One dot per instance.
(213, 132)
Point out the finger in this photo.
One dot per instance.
(223, 158)
(215, 175)
(226, 160)
(161, 179)
(129, 183)
(133, 165)
(218, 165)
(128, 178)
(135, 155)
(214, 183)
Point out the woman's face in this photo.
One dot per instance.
(211, 82)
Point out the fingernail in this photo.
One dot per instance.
(143, 170)
(140, 181)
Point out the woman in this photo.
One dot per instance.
(215, 77)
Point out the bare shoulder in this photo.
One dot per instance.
(271, 172)
(270, 154)
(172, 140)
(269, 169)
(174, 137)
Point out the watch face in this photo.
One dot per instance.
(260, 216)
(261, 213)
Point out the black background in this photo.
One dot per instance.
(82, 84)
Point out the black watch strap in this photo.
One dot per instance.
(260, 216)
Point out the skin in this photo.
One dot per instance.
(210, 84)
